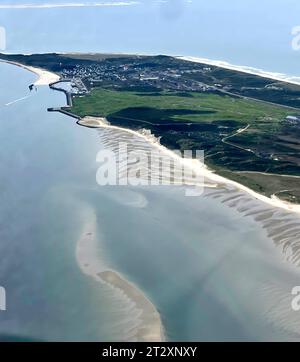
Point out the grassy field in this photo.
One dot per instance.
(284, 187)
(204, 121)
(196, 121)
(206, 107)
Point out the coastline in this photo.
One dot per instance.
(149, 326)
(44, 76)
(280, 77)
(196, 166)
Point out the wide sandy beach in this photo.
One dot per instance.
(148, 325)
(45, 77)
(212, 179)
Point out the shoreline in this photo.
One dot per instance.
(280, 77)
(44, 76)
(196, 166)
(149, 325)
(277, 76)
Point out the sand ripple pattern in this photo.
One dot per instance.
(163, 167)
(281, 225)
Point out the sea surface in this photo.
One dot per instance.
(211, 269)
(250, 32)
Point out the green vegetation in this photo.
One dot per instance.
(211, 122)
(193, 106)
(206, 107)
(268, 184)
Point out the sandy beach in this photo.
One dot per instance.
(279, 220)
(44, 77)
(244, 69)
(92, 122)
(144, 321)
(197, 167)
(211, 178)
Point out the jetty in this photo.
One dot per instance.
(69, 97)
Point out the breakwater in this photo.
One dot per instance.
(69, 97)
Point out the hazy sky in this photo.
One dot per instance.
(248, 32)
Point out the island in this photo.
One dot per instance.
(248, 125)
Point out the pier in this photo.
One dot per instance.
(68, 97)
